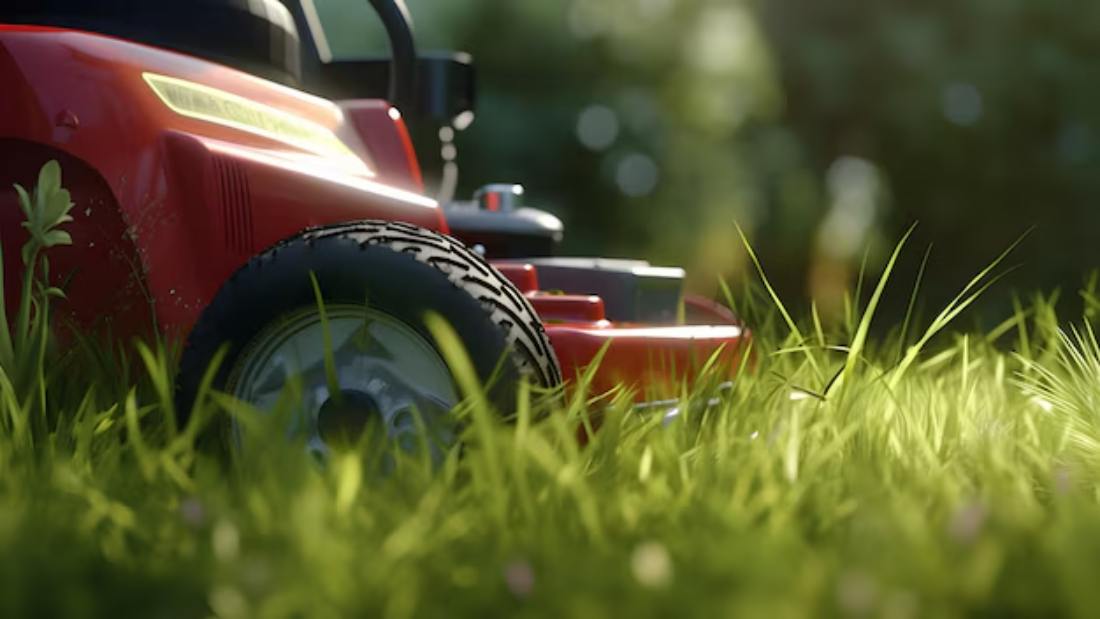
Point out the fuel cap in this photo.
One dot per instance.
(499, 197)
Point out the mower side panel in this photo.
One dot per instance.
(197, 198)
(256, 199)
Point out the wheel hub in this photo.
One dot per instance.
(344, 417)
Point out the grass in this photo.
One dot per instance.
(936, 473)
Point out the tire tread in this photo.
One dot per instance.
(468, 271)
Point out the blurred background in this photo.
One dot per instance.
(825, 129)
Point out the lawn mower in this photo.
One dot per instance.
(239, 189)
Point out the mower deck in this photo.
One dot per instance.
(653, 360)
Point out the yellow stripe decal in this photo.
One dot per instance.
(224, 108)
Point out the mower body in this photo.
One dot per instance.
(183, 169)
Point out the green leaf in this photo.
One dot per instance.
(57, 208)
(49, 179)
(54, 238)
(24, 201)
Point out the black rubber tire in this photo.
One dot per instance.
(400, 269)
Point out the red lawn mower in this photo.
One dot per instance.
(225, 167)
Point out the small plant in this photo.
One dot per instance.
(25, 336)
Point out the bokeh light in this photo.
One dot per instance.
(597, 127)
(636, 175)
(962, 103)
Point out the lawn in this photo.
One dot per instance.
(852, 470)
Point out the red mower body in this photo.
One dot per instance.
(182, 169)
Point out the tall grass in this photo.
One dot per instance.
(958, 477)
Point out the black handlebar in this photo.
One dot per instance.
(395, 18)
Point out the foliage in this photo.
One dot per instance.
(979, 115)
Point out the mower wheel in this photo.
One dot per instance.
(365, 355)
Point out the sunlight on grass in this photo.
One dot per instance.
(960, 476)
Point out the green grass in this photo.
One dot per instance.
(925, 473)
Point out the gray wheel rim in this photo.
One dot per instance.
(385, 371)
